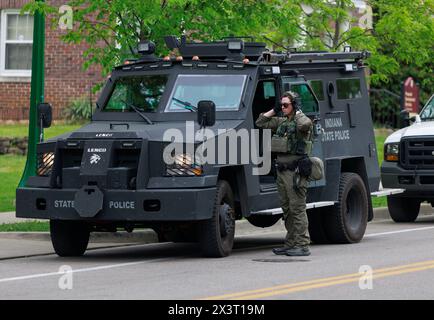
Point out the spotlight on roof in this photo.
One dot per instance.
(235, 45)
(146, 47)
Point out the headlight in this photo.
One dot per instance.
(45, 158)
(45, 164)
(391, 152)
(184, 165)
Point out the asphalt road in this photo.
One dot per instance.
(399, 257)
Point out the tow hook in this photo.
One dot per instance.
(88, 201)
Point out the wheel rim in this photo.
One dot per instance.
(225, 221)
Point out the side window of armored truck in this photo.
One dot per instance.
(143, 92)
(308, 102)
(348, 88)
(318, 88)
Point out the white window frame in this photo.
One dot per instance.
(3, 34)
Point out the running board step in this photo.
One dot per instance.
(386, 192)
(276, 211)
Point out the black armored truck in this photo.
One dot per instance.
(140, 163)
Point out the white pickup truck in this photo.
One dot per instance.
(409, 164)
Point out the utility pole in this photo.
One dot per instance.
(36, 95)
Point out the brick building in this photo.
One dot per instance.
(65, 79)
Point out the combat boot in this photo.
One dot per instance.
(281, 251)
(298, 251)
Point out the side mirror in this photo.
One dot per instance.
(44, 115)
(404, 117)
(206, 113)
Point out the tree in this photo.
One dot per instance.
(113, 28)
(400, 39)
(405, 34)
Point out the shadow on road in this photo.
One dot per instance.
(166, 250)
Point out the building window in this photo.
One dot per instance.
(16, 41)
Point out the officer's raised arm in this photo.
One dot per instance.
(268, 120)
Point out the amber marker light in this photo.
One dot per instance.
(392, 157)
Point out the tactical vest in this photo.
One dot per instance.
(288, 140)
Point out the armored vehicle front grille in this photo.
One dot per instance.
(417, 153)
(118, 171)
(45, 164)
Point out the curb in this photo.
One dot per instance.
(142, 236)
(243, 228)
(383, 213)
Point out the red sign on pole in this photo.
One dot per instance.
(410, 96)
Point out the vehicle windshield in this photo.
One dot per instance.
(224, 90)
(141, 92)
(427, 112)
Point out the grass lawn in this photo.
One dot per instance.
(11, 166)
(11, 169)
(380, 137)
(31, 226)
(22, 130)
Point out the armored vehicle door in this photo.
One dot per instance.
(266, 98)
(310, 107)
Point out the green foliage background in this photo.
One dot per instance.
(401, 38)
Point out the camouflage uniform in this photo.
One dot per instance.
(296, 127)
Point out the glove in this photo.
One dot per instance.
(277, 109)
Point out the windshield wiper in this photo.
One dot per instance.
(138, 111)
(187, 105)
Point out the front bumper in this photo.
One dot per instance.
(156, 205)
(415, 182)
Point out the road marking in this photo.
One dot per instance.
(34, 276)
(41, 275)
(323, 282)
(365, 236)
(397, 231)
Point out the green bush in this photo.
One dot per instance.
(78, 111)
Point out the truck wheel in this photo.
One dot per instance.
(263, 221)
(403, 209)
(216, 235)
(346, 221)
(69, 238)
(316, 226)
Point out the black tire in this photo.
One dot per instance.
(403, 209)
(346, 221)
(69, 238)
(316, 226)
(263, 221)
(216, 235)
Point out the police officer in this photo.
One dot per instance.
(291, 142)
